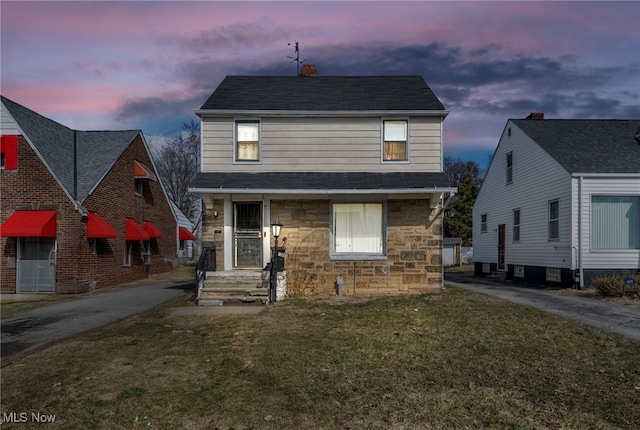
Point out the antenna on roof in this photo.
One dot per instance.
(297, 58)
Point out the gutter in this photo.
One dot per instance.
(326, 191)
(302, 113)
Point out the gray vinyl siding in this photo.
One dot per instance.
(537, 179)
(322, 144)
(598, 258)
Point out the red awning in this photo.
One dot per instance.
(134, 231)
(184, 234)
(30, 224)
(140, 171)
(152, 230)
(97, 227)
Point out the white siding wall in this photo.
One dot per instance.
(321, 144)
(537, 179)
(603, 259)
(7, 125)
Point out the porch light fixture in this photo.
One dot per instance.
(275, 229)
(273, 278)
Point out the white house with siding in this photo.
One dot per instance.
(560, 203)
(352, 166)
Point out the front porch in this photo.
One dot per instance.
(238, 288)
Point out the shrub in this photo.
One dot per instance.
(614, 286)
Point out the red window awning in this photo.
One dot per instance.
(140, 171)
(184, 234)
(30, 224)
(152, 230)
(97, 227)
(134, 231)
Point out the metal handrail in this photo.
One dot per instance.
(205, 263)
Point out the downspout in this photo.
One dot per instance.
(441, 216)
(580, 244)
(75, 167)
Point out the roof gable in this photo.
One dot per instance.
(323, 93)
(96, 151)
(589, 145)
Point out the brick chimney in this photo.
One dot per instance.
(536, 115)
(309, 70)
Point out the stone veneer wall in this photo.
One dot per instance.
(213, 230)
(414, 253)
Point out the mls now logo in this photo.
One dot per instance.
(24, 417)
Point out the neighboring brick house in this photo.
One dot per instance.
(351, 166)
(80, 209)
(560, 203)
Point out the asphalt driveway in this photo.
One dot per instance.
(39, 327)
(617, 318)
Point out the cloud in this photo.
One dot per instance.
(162, 115)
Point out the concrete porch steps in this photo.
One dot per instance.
(234, 288)
(497, 276)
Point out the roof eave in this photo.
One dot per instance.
(323, 191)
(306, 113)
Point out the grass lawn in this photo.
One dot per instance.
(450, 361)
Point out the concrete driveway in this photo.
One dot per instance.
(34, 329)
(616, 318)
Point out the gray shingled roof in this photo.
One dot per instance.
(323, 93)
(322, 181)
(97, 150)
(588, 145)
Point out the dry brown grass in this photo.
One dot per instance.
(450, 361)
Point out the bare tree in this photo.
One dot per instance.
(455, 168)
(177, 162)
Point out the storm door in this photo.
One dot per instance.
(247, 235)
(36, 265)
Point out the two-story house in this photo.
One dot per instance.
(80, 209)
(560, 203)
(352, 168)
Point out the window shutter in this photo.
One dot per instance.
(9, 147)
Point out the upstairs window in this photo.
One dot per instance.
(483, 223)
(395, 141)
(509, 167)
(247, 141)
(554, 220)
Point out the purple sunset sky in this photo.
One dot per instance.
(148, 65)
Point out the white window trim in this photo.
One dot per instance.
(146, 251)
(549, 220)
(553, 274)
(235, 141)
(359, 256)
(509, 169)
(484, 224)
(518, 271)
(591, 226)
(513, 233)
(408, 146)
(138, 183)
